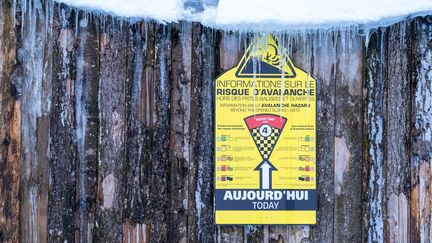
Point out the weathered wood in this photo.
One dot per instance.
(62, 165)
(106, 129)
(112, 138)
(315, 53)
(254, 233)
(348, 137)
(374, 188)
(421, 139)
(147, 111)
(201, 220)
(34, 57)
(325, 75)
(87, 123)
(230, 55)
(158, 186)
(397, 122)
(179, 156)
(230, 234)
(138, 139)
(10, 127)
(148, 95)
(279, 234)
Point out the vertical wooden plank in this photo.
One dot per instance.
(324, 71)
(140, 116)
(348, 136)
(160, 138)
(86, 123)
(374, 135)
(397, 123)
(230, 54)
(34, 55)
(196, 77)
(10, 125)
(147, 107)
(253, 233)
(181, 37)
(298, 233)
(62, 164)
(230, 234)
(231, 50)
(138, 148)
(201, 220)
(317, 56)
(113, 61)
(280, 233)
(421, 139)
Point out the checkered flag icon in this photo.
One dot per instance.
(265, 144)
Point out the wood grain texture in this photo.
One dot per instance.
(10, 127)
(421, 133)
(201, 224)
(348, 137)
(106, 129)
(86, 122)
(316, 53)
(112, 138)
(160, 136)
(179, 155)
(230, 55)
(138, 139)
(34, 56)
(374, 124)
(62, 164)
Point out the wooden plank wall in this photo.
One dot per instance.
(106, 129)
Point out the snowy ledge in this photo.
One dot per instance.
(264, 15)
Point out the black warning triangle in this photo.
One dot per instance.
(260, 69)
(268, 62)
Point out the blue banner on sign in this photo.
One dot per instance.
(242, 199)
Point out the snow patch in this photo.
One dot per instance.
(309, 13)
(270, 15)
(108, 187)
(397, 218)
(342, 157)
(166, 10)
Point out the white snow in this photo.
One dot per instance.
(266, 14)
(164, 10)
(311, 13)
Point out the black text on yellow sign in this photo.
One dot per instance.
(265, 140)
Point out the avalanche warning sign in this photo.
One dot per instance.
(265, 140)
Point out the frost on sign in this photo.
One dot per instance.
(265, 140)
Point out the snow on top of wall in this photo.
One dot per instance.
(164, 10)
(292, 13)
(264, 14)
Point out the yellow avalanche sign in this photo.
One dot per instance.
(265, 140)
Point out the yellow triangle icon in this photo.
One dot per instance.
(263, 59)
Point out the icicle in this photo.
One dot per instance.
(254, 50)
(14, 5)
(402, 34)
(81, 122)
(282, 64)
(76, 23)
(23, 6)
(47, 11)
(367, 36)
(63, 18)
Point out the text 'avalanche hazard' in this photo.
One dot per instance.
(265, 148)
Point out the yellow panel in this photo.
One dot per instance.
(265, 217)
(276, 150)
